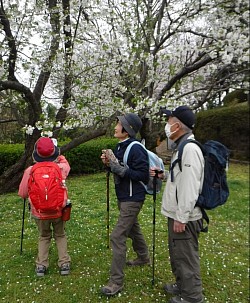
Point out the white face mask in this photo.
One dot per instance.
(168, 131)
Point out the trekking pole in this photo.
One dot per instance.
(21, 248)
(154, 206)
(107, 178)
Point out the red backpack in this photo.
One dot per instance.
(46, 190)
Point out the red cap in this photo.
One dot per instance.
(45, 150)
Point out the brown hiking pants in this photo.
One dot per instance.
(127, 227)
(45, 228)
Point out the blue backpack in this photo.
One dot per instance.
(154, 161)
(215, 189)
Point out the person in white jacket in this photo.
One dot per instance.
(178, 206)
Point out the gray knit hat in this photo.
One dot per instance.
(131, 123)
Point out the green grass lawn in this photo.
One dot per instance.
(224, 249)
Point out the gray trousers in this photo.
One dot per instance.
(184, 259)
(127, 227)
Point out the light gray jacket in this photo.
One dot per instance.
(180, 196)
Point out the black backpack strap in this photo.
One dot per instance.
(171, 168)
(179, 156)
(177, 160)
(206, 218)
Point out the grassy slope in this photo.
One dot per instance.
(224, 250)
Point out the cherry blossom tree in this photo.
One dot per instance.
(94, 59)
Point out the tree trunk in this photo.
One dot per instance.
(153, 133)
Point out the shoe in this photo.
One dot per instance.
(40, 270)
(172, 289)
(111, 289)
(138, 262)
(65, 269)
(181, 300)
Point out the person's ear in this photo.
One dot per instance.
(179, 125)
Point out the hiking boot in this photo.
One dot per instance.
(40, 270)
(172, 289)
(181, 300)
(138, 262)
(65, 269)
(111, 289)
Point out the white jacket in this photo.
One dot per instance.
(180, 196)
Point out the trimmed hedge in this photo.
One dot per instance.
(229, 125)
(9, 155)
(85, 158)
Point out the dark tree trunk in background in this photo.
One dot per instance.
(153, 133)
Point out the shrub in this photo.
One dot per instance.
(229, 125)
(83, 159)
(9, 155)
(86, 157)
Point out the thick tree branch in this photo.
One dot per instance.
(7, 121)
(11, 43)
(47, 65)
(27, 95)
(204, 59)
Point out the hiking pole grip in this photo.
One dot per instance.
(107, 179)
(154, 206)
(21, 246)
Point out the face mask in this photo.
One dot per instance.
(168, 131)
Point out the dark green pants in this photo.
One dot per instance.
(127, 227)
(184, 259)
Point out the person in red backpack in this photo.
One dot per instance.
(45, 151)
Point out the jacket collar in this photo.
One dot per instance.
(184, 137)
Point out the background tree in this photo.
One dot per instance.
(93, 59)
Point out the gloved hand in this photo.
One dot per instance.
(110, 156)
(117, 169)
(114, 164)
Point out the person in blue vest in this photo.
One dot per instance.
(130, 195)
